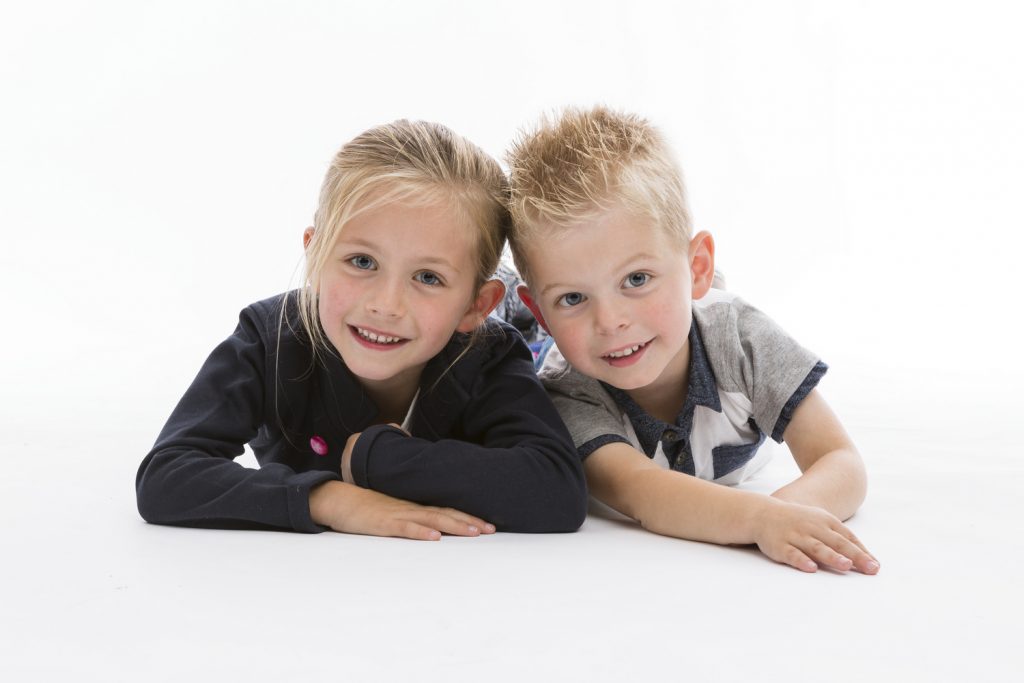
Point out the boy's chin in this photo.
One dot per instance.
(626, 381)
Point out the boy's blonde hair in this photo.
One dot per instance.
(585, 162)
(413, 162)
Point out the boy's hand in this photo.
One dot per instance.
(807, 537)
(350, 509)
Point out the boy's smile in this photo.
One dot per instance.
(615, 293)
(627, 356)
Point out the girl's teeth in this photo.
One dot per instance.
(377, 338)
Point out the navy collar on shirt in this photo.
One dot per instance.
(701, 391)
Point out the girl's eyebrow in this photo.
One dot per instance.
(440, 260)
(642, 256)
(371, 246)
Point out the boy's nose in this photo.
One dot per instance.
(609, 318)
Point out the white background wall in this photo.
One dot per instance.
(858, 163)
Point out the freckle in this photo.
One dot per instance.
(318, 445)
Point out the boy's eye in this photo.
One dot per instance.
(570, 299)
(363, 262)
(428, 278)
(636, 280)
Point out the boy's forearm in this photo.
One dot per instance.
(836, 482)
(679, 505)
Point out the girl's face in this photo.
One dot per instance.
(398, 282)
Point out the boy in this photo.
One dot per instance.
(658, 376)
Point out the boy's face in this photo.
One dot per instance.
(615, 293)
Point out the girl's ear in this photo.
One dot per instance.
(702, 263)
(307, 237)
(524, 295)
(487, 298)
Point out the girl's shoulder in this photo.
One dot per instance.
(496, 346)
(274, 316)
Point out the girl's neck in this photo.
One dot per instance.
(393, 396)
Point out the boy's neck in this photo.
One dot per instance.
(664, 397)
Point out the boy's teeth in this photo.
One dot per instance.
(625, 352)
(377, 338)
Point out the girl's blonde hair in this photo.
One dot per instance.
(413, 162)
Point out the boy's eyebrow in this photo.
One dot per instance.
(642, 256)
(428, 260)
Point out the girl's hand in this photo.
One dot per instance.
(807, 537)
(350, 509)
(346, 456)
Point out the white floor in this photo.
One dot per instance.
(90, 591)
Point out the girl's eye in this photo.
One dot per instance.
(363, 262)
(571, 299)
(428, 278)
(636, 280)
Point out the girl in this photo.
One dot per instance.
(390, 329)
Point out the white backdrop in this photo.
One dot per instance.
(858, 163)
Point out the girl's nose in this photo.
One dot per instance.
(387, 300)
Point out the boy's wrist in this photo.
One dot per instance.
(759, 513)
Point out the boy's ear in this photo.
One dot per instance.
(490, 294)
(307, 236)
(524, 294)
(702, 263)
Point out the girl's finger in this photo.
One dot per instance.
(440, 520)
(415, 531)
(483, 526)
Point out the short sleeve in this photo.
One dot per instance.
(587, 409)
(753, 355)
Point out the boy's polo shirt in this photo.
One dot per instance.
(746, 379)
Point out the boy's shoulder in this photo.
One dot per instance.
(744, 346)
(562, 379)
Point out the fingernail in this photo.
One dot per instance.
(489, 528)
(435, 535)
(872, 567)
(473, 529)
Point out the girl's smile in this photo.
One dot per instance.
(399, 282)
(376, 340)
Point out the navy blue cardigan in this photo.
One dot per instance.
(485, 439)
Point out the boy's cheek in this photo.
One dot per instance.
(571, 343)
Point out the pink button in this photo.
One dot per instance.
(318, 445)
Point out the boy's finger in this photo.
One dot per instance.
(863, 561)
(795, 558)
(844, 531)
(828, 556)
